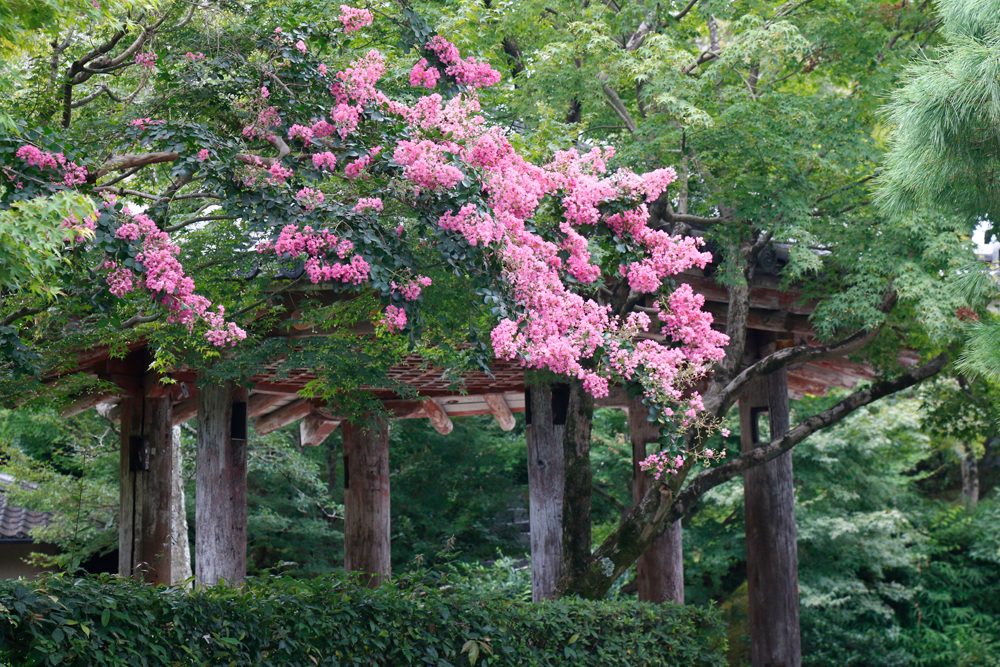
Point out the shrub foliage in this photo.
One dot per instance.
(102, 620)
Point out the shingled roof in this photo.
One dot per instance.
(16, 522)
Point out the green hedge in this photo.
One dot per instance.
(90, 621)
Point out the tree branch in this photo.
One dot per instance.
(128, 161)
(616, 104)
(198, 218)
(712, 477)
(804, 354)
(18, 314)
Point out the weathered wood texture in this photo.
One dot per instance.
(660, 569)
(546, 479)
(220, 545)
(145, 477)
(772, 558)
(180, 550)
(313, 431)
(367, 546)
(576, 524)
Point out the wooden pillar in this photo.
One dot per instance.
(366, 499)
(577, 488)
(660, 569)
(145, 477)
(220, 540)
(772, 558)
(546, 407)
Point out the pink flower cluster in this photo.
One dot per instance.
(164, 276)
(325, 160)
(354, 19)
(421, 75)
(411, 291)
(310, 198)
(301, 46)
(394, 319)
(143, 123)
(366, 203)
(662, 464)
(72, 173)
(469, 72)
(194, 57)
(203, 154)
(356, 168)
(266, 119)
(147, 59)
(79, 228)
(552, 325)
(315, 245)
(427, 165)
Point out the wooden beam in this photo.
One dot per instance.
(501, 412)
(185, 410)
(314, 430)
(261, 404)
(110, 411)
(283, 417)
(439, 418)
(84, 403)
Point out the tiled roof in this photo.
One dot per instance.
(16, 522)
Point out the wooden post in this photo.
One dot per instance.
(220, 541)
(545, 420)
(772, 558)
(145, 477)
(366, 499)
(577, 488)
(660, 569)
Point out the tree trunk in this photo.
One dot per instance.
(660, 569)
(544, 427)
(221, 486)
(970, 478)
(145, 476)
(772, 559)
(367, 545)
(180, 549)
(576, 526)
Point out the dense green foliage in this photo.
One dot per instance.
(331, 621)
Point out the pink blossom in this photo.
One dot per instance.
(146, 59)
(356, 168)
(354, 19)
(394, 319)
(469, 72)
(194, 57)
(72, 173)
(725, 432)
(302, 132)
(411, 290)
(264, 92)
(278, 174)
(301, 46)
(164, 276)
(310, 198)
(203, 154)
(368, 203)
(322, 69)
(421, 75)
(324, 160)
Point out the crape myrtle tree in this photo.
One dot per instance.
(359, 182)
(377, 169)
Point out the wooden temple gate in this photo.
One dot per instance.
(147, 408)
